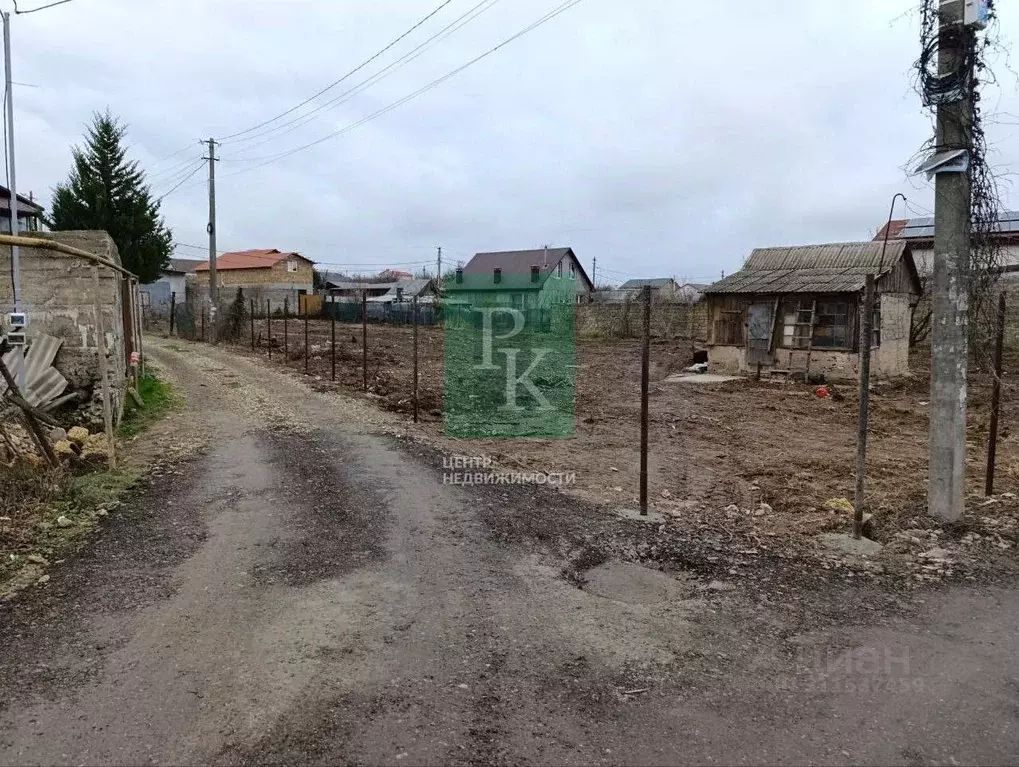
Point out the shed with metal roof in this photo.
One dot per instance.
(796, 309)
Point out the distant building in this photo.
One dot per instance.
(796, 310)
(406, 290)
(522, 279)
(919, 233)
(29, 213)
(264, 275)
(156, 296)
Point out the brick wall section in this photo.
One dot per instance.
(58, 295)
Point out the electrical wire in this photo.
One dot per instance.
(332, 85)
(181, 183)
(301, 120)
(40, 8)
(178, 177)
(173, 170)
(562, 8)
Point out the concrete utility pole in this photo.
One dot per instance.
(438, 265)
(950, 292)
(15, 250)
(213, 284)
(594, 273)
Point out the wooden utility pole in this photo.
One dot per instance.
(645, 372)
(950, 291)
(252, 324)
(268, 325)
(104, 370)
(992, 437)
(213, 284)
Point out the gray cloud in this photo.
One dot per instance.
(661, 137)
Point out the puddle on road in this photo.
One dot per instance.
(634, 584)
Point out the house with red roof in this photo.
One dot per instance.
(263, 275)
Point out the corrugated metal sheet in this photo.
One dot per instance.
(831, 268)
(43, 383)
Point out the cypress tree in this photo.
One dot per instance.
(106, 191)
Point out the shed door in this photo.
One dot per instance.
(760, 322)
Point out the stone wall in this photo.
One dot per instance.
(624, 320)
(58, 295)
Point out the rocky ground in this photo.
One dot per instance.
(303, 587)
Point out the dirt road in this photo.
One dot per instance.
(310, 591)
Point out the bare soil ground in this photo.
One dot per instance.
(717, 451)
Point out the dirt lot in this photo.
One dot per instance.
(712, 446)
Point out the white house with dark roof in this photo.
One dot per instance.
(919, 233)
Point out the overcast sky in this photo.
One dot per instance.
(662, 137)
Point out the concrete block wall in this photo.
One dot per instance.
(58, 295)
(668, 320)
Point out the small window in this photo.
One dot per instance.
(560, 268)
(518, 300)
(573, 271)
(291, 266)
(796, 317)
(831, 325)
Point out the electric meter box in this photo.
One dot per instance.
(17, 320)
(16, 339)
(977, 13)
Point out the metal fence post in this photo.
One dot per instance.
(992, 437)
(173, 310)
(415, 359)
(252, 301)
(364, 339)
(268, 325)
(644, 387)
(866, 341)
(203, 322)
(332, 353)
(306, 336)
(286, 336)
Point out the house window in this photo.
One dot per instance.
(832, 325)
(729, 328)
(518, 300)
(876, 334)
(573, 271)
(796, 316)
(560, 268)
(291, 266)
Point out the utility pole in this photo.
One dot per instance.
(950, 292)
(15, 250)
(213, 285)
(594, 273)
(438, 265)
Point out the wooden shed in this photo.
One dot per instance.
(797, 309)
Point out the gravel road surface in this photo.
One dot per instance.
(308, 590)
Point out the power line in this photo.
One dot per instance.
(172, 170)
(301, 120)
(175, 154)
(332, 85)
(40, 8)
(400, 102)
(176, 176)
(181, 182)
